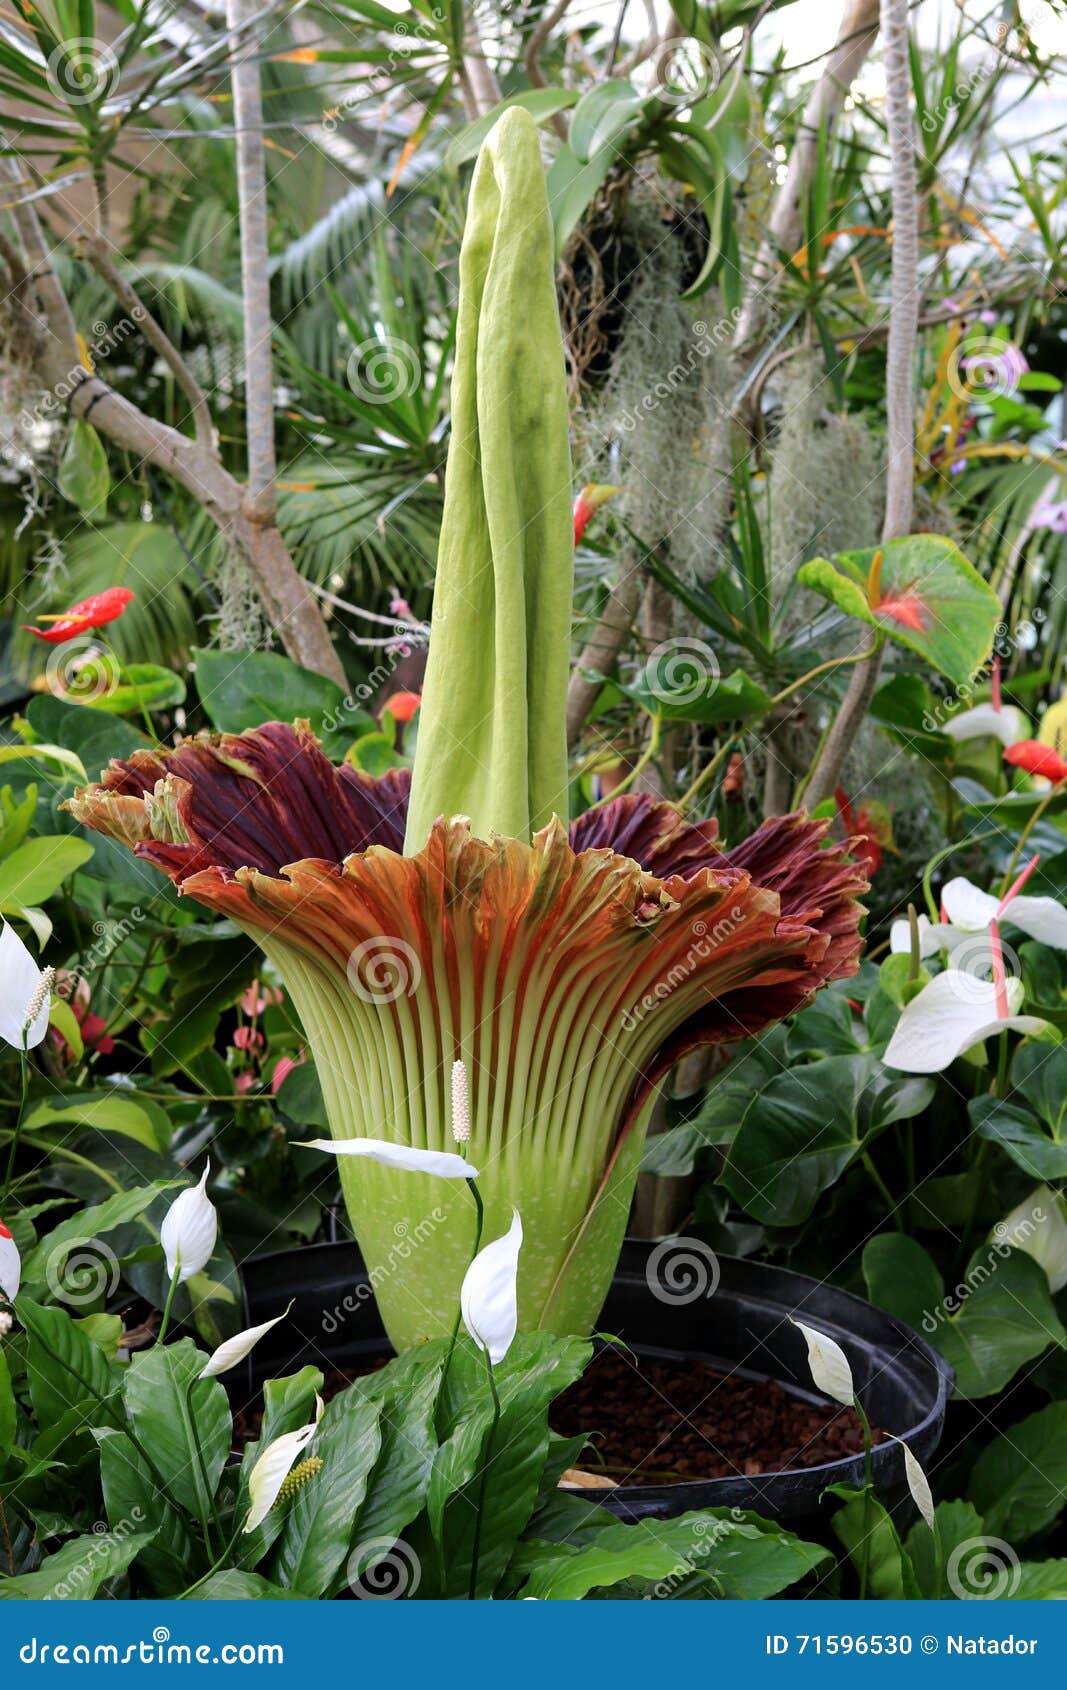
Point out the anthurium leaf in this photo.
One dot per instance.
(132, 1495)
(242, 689)
(76, 1572)
(925, 596)
(64, 1366)
(83, 476)
(1040, 1076)
(798, 1136)
(871, 1542)
(1021, 1135)
(959, 1527)
(43, 1270)
(138, 686)
(902, 1279)
(317, 1534)
(688, 690)
(1019, 1481)
(165, 1400)
(1006, 1320)
(38, 867)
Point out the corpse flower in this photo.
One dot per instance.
(568, 969)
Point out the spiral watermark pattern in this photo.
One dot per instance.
(78, 670)
(383, 968)
(985, 368)
(983, 1569)
(383, 1569)
(82, 1272)
(679, 671)
(380, 371)
(684, 71)
(971, 963)
(682, 1270)
(83, 71)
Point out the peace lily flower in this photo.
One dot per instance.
(93, 612)
(10, 1265)
(828, 1364)
(445, 1164)
(1038, 1226)
(25, 993)
(488, 1299)
(189, 1230)
(918, 1484)
(272, 1469)
(414, 916)
(234, 1349)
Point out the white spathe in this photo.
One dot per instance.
(444, 1163)
(1038, 1226)
(970, 909)
(20, 982)
(10, 1265)
(951, 1015)
(189, 1230)
(272, 1469)
(488, 1297)
(829, 1366)
(918, 1484)
(236, 1348)
(1008, 724)
(934, 936)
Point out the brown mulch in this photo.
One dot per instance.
(654, 1421)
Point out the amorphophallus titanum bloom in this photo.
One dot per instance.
(94, 612)
(190, 1227)
(10, 1265)
(569, 970)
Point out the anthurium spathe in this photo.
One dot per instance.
(1038, 1226)
(955, 1012)
(94, 612)
(1037, 759)
(569, 968)
(10, 1265)
(25, 993)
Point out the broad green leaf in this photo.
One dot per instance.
(8, 1415)
(571, 187)
(1038, 1581)
(683, 689)
(957, 1524)
(132, 1495)
(171, 1414)
(1021, 1135)
(1006, 1320)
(288, 1404)
(407, 1390)
(44, 1268)
(871, 1543)
(115, 1112)
(317, 1533)
(83, 476)
(38, 868)
(1040, 1076)
(138, 687)
(902, 1279)
(928, 598)
(374, 753)
(241, 690)
(797, 1137)
(65, 1367)
(1019, 1482)
(76, 1572)
(48, 753)
(233, 1585)
(602, 114)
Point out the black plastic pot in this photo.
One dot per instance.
(744, 1328)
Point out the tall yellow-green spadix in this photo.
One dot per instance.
(492, 728)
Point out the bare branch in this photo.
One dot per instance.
(532, 57)
(602, 649)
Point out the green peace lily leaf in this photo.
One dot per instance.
(902, 1279)
(317, 1532)
(233, 1585)
(131, 1492)
(38, 867)
(137, 687)
(165, 1399)
(1019, 1481)
(113, 1112)
(76, 1572)
(43, 1269)
(957, 1524)
(929, 598)
(83, 476)
(871, 1542)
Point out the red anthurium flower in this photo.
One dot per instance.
(93, 612)
(403, 705)
(1037, 759)
(872, 827)
(588, 502)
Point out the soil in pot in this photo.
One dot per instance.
(654, 1421)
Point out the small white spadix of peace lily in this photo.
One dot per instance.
(234, 1349)
(272, 1469)
(445, 1164)
(190, 1228)
(10, 1265)
(951, 1015)
(25, 993)
(488, 1298)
